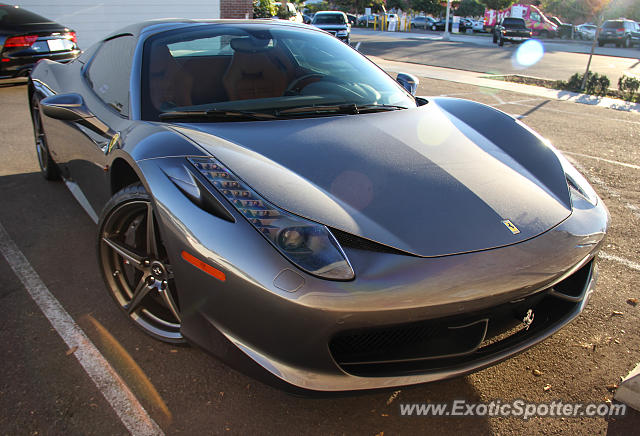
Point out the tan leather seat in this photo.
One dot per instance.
(253, 72)
(169, 84)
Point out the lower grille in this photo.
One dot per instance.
(441, 343)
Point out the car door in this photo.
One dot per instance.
(104, 87)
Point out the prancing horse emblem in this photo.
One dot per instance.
(528, 319)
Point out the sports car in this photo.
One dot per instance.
(264, 191)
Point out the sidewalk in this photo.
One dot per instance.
(480, 79)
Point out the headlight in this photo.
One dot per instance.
(307, 244)
(342, 33)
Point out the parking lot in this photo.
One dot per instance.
(44, 390)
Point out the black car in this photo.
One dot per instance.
(334, 22)
(622, 32)
(511, 30)
(25, 38)
(439, 25)
(353, 20)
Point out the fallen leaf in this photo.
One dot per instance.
(612, 387)
(617, 313)
(72, 350)
(546, 388)
(173, 351)
(384, 414)
(632, 301)
(537, 372)
(393, 397)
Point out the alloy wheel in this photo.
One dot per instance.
(137, 271)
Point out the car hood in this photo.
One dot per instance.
(421, 180)
(331, 26)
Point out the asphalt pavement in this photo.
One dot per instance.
(45, 390)
(560, 59)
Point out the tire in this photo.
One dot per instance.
(600, 44)
(627, 43)
(135, 266)
(544, 34)
(433, 28)
(48, 167)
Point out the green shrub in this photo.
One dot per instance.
(596, 84)
(628, 86)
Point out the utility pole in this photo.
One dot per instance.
(446, 22)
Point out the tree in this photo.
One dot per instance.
(470, 8)
(497, 4)
(263, 9)
(432, 7)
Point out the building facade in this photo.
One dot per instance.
(95, 19)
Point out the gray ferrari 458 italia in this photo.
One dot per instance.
(264, 191)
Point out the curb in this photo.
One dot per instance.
(482, 80)
(629, 390)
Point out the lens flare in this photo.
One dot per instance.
(529, 53)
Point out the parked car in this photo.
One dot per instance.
(421, 22)
(477, 25)
(512, 30)
(563, 30)
(306, 19)
(368, 19)
(334, 22)
(353, 20)
(25, 38)
(236, 209)
(439, 25)
(622, 33)
(539, 24)
(586, 31)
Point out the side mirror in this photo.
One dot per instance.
(408, 82)
(71, 107)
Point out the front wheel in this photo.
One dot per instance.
(135, 266)
(627, 43)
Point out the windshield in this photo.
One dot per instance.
(258, 68)
(613, 24)
(515, 22)
(329, 19)
(13, 15)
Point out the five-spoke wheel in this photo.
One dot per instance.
(135, 264)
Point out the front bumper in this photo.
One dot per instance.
(309, 332)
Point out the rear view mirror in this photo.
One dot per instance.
(408, 82)
(71, 107)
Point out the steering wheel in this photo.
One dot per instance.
(293, 87)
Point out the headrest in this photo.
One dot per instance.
(249, 44)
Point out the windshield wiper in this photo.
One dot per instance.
(349, 109)
(227, 115)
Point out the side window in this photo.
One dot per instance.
(534, 16)
(110, 70)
